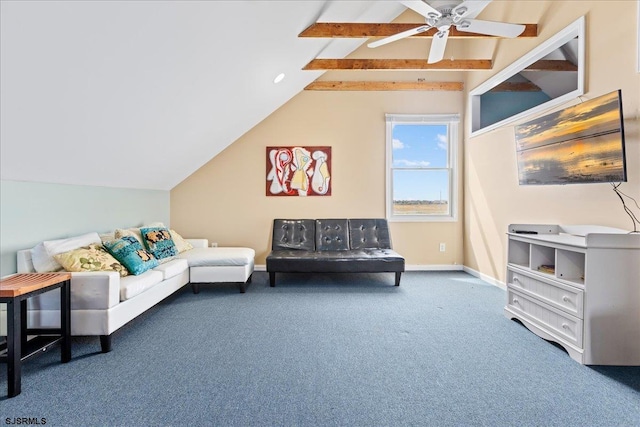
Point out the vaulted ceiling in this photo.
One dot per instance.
(140, 94)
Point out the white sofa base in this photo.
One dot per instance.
(105, 322)
(96, 306)
(221, 274)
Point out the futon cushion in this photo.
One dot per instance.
(369, 233)
(294, 234)
(131, 254)
(358, 260)
(332, 235)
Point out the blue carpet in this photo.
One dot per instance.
(326, 350)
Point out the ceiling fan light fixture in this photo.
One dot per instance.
(278, 78)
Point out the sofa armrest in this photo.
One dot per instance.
(95, 290)
(198, 243)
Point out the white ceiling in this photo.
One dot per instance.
(140, 94)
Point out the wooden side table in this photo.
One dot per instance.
(14, 291)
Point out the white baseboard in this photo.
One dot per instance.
(433, 267)
(485, 278)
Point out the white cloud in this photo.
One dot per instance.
(397, 144)
(442, 141)
(411, 163)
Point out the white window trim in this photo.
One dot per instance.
(453, 122)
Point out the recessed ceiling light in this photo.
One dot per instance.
(279, 78)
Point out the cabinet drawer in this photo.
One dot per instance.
(558, 295)
(555, 321)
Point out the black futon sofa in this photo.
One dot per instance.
(332, 246)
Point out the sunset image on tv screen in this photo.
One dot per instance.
(580, 144)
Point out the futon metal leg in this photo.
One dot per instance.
(195, 288)
(243, 287)
(105, 343)
(398, 274)
(272, 279)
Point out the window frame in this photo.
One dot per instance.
(452, 121)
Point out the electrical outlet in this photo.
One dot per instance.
(214, 244)
(442, 247)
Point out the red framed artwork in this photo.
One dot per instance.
(298, 171)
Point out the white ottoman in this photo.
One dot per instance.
(219, 265)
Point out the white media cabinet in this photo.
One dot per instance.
(588, 299)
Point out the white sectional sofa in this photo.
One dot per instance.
(102, 302)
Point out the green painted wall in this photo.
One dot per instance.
(32, 212)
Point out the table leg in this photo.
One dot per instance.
(65, 320)
(23, 322)
(14, 347)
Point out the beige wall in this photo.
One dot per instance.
(493, 198)
(225, 200)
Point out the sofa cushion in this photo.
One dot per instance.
(369, 233)
(90, 258)
(294, 234)
(131, 286)
(332, 235)
(131, 254)
(357, 260)
(209, 257)
(172, 268)
(42, 254)
(158, 241)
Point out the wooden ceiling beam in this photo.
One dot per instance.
(384, 86)
(363, 30)
(398, 64)
(552, 65)
(516, 87)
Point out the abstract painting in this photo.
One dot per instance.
(298, 171)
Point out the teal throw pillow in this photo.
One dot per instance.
(158, 241)
(130, 253)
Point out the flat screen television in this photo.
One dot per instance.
(580, 144)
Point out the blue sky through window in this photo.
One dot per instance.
(417, 148)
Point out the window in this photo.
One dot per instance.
(421, 167)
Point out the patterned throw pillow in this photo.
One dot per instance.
(131, 254)
(90, 258)
(158, 241)
(181, 244)
(119, 233)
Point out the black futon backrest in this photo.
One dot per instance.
(294, 234)
(336, 234)
(369, 233)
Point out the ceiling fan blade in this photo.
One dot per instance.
(422, 8)
(500, 29)
(402, 35)
(439, 42)
(468, 9)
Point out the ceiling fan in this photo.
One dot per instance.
(442, 14)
